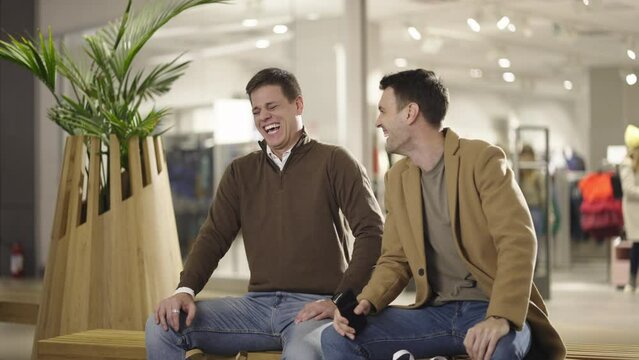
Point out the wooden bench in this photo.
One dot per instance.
(103, 344)
(93, 345)
(602, 352)
(19, 300)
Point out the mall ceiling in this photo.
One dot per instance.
(549, 44)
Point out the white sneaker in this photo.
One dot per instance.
(629, 289)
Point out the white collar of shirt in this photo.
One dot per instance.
(278, 162)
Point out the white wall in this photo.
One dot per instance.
(207, 80)
(476, 114)
(64, 16)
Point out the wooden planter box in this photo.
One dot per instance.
(108, 269)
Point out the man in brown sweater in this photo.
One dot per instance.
(458, 224)
(288, 200)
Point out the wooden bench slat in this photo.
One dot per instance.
(18, 312)
(602, 352)
(95, 344)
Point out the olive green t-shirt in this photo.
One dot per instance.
(448, 278)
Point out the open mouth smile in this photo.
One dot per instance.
(271, 129)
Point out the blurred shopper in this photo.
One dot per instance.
(457, 223)
(532, 185)
(629, 174)
(288, 200)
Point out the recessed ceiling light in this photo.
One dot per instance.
(504, 63)
(414, 33)
(631, 79)
(508, 77)
(473, 24)
(631, 54)
(476, 73)
(401, 62)
(512, 27)
(280, 29)
(249, 22)
(503, 22)
(586, 2)
(262, 44)
(568, 85)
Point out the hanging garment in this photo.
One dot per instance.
(602, 218)
(596, 186)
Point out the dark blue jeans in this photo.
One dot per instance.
(425, 332)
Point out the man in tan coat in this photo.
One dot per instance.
(457, 223)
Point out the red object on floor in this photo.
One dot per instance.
(17, 260)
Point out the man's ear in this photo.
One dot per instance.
(299, 104)
(413, 112)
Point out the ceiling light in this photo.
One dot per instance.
(631, 54)
(512, 27)
(508, 77)
(280, 29)
(312, 16)
(414, 33)
(503, 22)
(249, 22)
(262, 44)
(401, 62)
(504, 63)
(473, 24)
(631, 79)
(586, 2)
(476, 73)
(568, 85)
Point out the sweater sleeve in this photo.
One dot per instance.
(216, 234)
(512, 234)
(392, 271)
(354, 196)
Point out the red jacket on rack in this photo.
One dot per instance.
(601, 214)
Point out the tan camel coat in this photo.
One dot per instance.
(491, 226)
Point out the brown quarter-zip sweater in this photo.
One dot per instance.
(294, 235)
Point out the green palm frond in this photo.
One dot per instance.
(38, 56)
(106, 93)
(160, 79)
(139, 28)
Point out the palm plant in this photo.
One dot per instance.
(105, 96)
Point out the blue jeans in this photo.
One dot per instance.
(425, 332)
(258, 321)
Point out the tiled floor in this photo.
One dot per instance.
(583, 307)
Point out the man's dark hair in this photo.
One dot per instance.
(422, 87)
(275, 76)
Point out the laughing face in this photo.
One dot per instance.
(276, 118)
(393, 122)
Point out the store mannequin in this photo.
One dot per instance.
(573, 160)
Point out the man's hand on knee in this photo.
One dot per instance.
(168, 311)
(481, 340)
(317, 310)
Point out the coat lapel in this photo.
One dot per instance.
(451, 166)
(413, 196)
